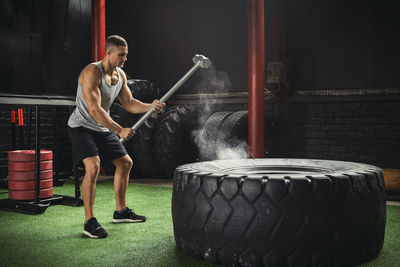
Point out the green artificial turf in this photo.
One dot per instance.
(55, 237)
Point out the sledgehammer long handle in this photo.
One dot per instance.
(175, 87)
(165, 97)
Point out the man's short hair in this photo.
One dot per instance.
(115, 40)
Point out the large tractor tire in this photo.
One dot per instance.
(173, 140)
(209, 135)
(226, 131)
(279, 212)
(235, 127)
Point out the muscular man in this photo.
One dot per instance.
(94, 133)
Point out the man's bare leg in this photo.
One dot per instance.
(121, 179)
(123, 214)
(92, 169)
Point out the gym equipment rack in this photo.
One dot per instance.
(38, 205)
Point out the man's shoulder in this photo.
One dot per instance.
(91, 70)
(90, 73)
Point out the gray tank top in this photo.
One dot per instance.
(81, 117)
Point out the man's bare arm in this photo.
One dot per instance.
(133, 105)
(91, 80)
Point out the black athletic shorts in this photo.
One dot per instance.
(89, 143)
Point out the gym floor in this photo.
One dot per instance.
(55, 238)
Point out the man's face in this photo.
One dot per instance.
(118, 55)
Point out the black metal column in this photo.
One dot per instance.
(13, 136)
(37, 156)
(29, 127)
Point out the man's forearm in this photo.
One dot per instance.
(103, 118)
(135, 106)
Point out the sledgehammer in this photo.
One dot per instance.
(199, 61)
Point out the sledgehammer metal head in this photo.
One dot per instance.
(203, 61)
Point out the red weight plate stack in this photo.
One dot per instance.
(21, 174)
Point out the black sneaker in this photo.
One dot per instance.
(127, 216)
(93, 229)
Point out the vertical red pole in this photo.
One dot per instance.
(98, 29)
(256, 52)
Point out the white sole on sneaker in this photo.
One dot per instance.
(89, 234)
(126, 221)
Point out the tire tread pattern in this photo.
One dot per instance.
(318, 220)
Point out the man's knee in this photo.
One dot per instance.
(124, 163)
(92, 167)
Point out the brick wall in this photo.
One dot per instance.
(359, 129)
(365, 131)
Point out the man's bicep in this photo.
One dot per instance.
(92, 96)
(91, 91)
